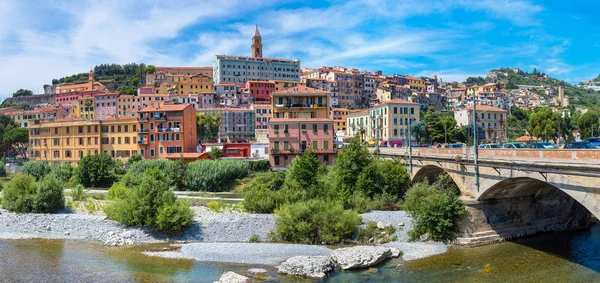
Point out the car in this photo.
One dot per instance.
(391, 143)
(456, 145)
(594, 140)
(489, 145)
(514, 145)
(543, 145)
(579, 145)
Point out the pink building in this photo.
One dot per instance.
(106, 104)
(289, 138)
(70, 98)
(146, 90)
(261, 90)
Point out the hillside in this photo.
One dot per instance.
(125, 78)
(578, 96)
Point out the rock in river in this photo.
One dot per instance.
(360, 256)
(232, 277)
(309, 266)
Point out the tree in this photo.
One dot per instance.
(303, 170)
(345, 171)
(439, 125)
(588, 123)
(95, 170)
(150, 69)
(215, 152)
(133, 159)
(6, 124)
(22, 92)
(417, 130)
(475, 80)
(545, 123)
(208, 127)
(19, 138)
(384, 176)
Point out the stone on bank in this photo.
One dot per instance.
(360, 256)
(232, 277)
(309, 266)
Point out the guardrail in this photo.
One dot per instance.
(571, 154)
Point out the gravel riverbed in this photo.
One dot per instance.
(220, 237)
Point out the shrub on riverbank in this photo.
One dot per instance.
(151, 204)
(62, 171)
(214, 175)
(316, 222)
(37, 169)
(137, 169)
(95, 170)
(22, 194)
(435, 208)
(2, 170)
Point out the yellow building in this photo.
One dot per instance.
(416, 84)
(90, 85)
(119, 137)
(300, 102)
(357, 122)
(126, 105)
(390, 120)
(63, 140)
(339, 116)
(70, 139)
(84, 108)
(186, 85)
(283, 85)
(479, 89)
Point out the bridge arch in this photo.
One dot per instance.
(535, 186)
(430, 173)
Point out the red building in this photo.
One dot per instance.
(167, 131)
(261, 90)
(70, 98)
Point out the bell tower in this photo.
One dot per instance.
(91, 76)
(256, 44)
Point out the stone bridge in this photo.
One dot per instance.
(520, 191)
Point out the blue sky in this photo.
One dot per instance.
(454, 39)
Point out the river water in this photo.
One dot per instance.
(555, 257)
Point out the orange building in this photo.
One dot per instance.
(90, 85)
(167, 131)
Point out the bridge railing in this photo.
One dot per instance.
(501, 153)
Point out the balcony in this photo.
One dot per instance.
(144, 141)
(143, 131)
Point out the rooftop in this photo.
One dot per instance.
(299, 90)
(481, 108)
(283, 120)
(166, 108)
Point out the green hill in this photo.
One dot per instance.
(125, 78)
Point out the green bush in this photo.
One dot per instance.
(316, 222)
(151, 203)
(268, 191)
(361, 203)
(384, 176)
(78, 192)
(214, 175)
(133, 159)
(18, 194)
(49, 197)
(23, 195)
(37, 169)
(62, 171)
(254, 239)
(95, 170)
(215, 206)
(215, 153)
(436, 209)
(174, 217)
(2, 170)
(259, 165)
(118, 191)
(166, 166)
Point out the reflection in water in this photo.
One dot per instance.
(562, 257)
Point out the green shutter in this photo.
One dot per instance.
(276, 145)
(315, 128)
(276, 128)
(285, 128)
(325, 144)
(314, 146)
(286, 145)
(304, 128)
(325, 128)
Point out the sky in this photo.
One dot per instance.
(453, 39)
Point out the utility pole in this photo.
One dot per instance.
(475, 161)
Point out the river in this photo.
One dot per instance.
(554, 257)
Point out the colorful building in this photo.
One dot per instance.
(196, 84)
(106, 104)
(85, 108)
(260, 90)
(390, 120)
(119, 135)
(492, 120)
(167, 131)
(237, 124)
(358, 125)
(264, 112)
(90, 85)
(24, 117)
(240, 69)
(301, 120)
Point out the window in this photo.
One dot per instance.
(325, 128)
(152, 152)
(276, 129)
(80, 141)
(151, 126)
(112, 129)
(412, 110)
(161, 150)
(325, 144)
(176, 137)
(127, 140)
(286, 145)
(80, 129)
(119, 140)
(126, 128)
(285, 129)
(67, 153)
(56, 142)
(56, 131)
(56, 154)
(315, 128)
(304, 128)
(276, 146)
(104, 140)
(395, 110)
(314, 144)
(277, 160)
(151, 138)
(105, 129)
